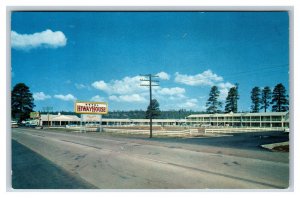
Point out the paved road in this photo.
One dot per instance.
(33, 171)
(110, 162)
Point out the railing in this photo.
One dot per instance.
(187, 132)
(242, 129)
(183, 131)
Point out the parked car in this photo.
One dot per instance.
(31, 123)
(14, 124)
(287, 130)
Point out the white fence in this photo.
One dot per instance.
(195, 132)
(184, 132)
(187, 132)
(242, 130)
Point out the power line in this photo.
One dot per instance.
(150, 85)
(242, 73)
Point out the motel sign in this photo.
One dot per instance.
(82, 107)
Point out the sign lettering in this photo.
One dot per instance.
(91, 107)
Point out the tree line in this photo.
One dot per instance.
(260, 99)
(22, 103)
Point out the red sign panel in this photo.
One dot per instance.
(91, 107)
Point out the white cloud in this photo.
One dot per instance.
(128, 85)
(171, 93)
(224, 88)
(68, 97)
(81, 86)
(40, 96)
(163, 75)
(97, 98)
(128, 98)
(128, 90)
(207, 78)
(47, 38)
(190, 103)
(114, 98)
(101, 85)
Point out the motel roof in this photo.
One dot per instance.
(59, 117)
(240, 114)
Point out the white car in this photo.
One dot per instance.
(286, 130)
(14, 124)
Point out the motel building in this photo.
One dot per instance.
(265, 120)
(90, 120)
(58, 120)
(262, 120)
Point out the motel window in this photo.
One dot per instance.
(276, 118)
(255, 118)
(265, 118)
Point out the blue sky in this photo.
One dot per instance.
(98, 56)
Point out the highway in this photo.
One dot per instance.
(114, 162)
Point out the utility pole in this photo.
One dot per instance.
(150, 85)
(47, 109)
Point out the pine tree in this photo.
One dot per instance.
(212, 103)
(279, 99)
(21, 102)
(255, 97)
(155, 111)
(265, 98)
(231, 100)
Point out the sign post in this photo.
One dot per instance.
(81, 126)
(84, 107)
(100, 123)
